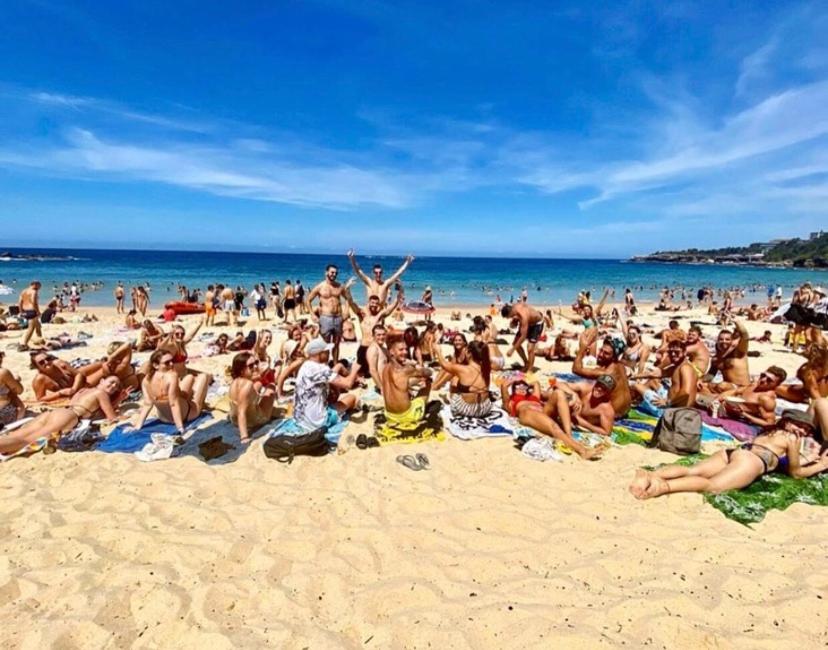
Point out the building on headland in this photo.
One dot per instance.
(815, 235)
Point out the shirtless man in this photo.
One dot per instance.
(683, 380)
(399, 379)
(368, 319)
(730, 360)
(589, 406)
(376, 286)
(608, 363)
(759, 406)
(697, 351)
(531, 328)
(30, 310)
(376, 355)
(228, 304)
(119, 298)
(330, 293)
(289, 304)
(209, 306)
(672, 333)
(56, 379)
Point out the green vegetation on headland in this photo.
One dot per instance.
(809, 253)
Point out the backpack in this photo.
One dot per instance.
(284, 447)
(678, 431)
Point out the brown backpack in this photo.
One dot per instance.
(678, 431)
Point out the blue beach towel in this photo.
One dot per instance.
(335, 423)
(124, 439)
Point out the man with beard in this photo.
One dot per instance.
(683, 380)
(608, 357)
(370, 317)
(376, 286)
(730, 360)
(329, 292)
(697, 351)
(399, 380)
(758, 400)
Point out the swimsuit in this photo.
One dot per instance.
(330, 325)
(409, 418)
(517, 400)
(770, 459)
(534, 332)
(8, 414)
(362, 360)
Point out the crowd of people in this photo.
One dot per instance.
(619, 360)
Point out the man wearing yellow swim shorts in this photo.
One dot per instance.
(399, 380)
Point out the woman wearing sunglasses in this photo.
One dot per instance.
(11, 408)
(251, 402)
(176, 400)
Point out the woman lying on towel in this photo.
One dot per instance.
(469, 381)
(251, 399)
(176, 400)
(733, 469)
(525, 403)
(87, 403)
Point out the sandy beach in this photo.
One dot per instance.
(488, 549)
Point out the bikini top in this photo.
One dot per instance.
(519, 399)
(588, 323)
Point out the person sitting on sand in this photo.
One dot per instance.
(87, 403)
(320, 398)
(294, 345)
(176, 400)
(697, 351)
(530, 329)
(251, 399)
(131, 320)
(608, 363)
(401, 380)
(730, 359)
(757, 402)
(682, 386)
(590, 407)
(11, 407)
(218, 346)
(672, 333)
(637, 352)
(733, 469)
(470, 381)
(483, 333)
(149, 336)
(460, 355)
(523, 402)
(56, 380)
(176, 343)
(813, 375)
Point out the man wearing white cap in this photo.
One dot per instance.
(314, 405)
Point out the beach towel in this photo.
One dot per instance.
(289, 427)
(126, 440)
(497, 423)
(742, 431)
(637, 428)
(419, 423)
(770, 492)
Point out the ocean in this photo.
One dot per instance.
(460, 280)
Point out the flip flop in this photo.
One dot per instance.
(372, 442)
(423, 460)
(362, 441)
(409, 462)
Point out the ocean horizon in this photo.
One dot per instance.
(466, 280)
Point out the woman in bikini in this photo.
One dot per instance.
(11, 407)
(176, 343)
(460, 357)
(176, 400)
(85, 404)
(149, 336)
(733, 469)
(524, 403)
(813, 374)
(263, 341)
(637, 352)
(251, 399)
(470, 381)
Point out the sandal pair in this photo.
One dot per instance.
(414, 463)
(366, 442)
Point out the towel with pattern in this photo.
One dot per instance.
(420, 423)
(496, 423)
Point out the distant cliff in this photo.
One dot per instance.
(808, 253)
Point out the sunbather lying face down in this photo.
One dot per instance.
(732, 469)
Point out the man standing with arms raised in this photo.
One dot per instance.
(30, 310)
(330, 293)
(376, 286)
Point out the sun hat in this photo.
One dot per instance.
(317, 346)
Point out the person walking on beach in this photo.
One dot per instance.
(376, 286)
(119, 298)
(300, 298)
(30, 310)
(330, 293)
(530, 329)
(289, 305)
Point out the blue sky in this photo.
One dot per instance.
(506, 128)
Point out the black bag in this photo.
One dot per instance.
(678, 431)
(283, 448)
